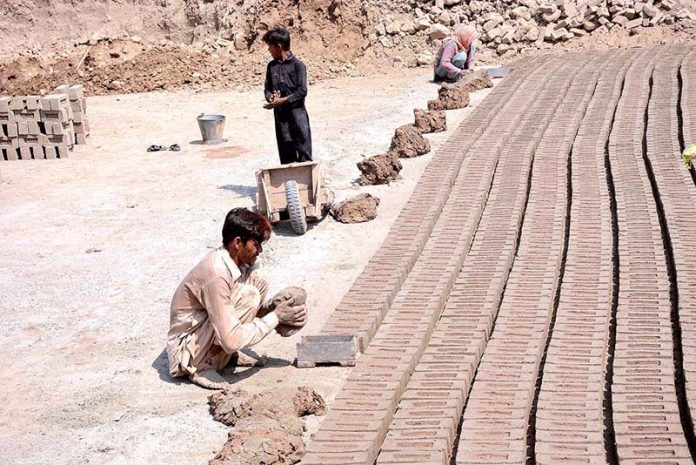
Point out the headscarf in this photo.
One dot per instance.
(464, 36)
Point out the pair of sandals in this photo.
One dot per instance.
(161, 148)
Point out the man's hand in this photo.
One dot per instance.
(291, 315)
(465, 72)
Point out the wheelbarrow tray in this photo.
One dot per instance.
(271, 200)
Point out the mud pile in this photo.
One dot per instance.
(408, 142)
(380, 169)
(427, 121)
(358, 209)
(266, 428)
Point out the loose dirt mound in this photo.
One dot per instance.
(428, 121)
(260, 444)
(408, 142)
(358, 209)
(308, 402)
(380, 169)
(266, 427)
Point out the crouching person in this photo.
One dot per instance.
(220, 307)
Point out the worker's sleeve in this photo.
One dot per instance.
(301, 80)
(268, 86)
(224, 306)
(471, 56)
(448, 53)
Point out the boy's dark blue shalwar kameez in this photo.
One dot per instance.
(291, 120)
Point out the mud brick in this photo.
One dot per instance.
(80, 139)
(27, 153)
(39, 153)
(81, 128)
(27, 115)
(412, 457)
(5, 104)
(74, 91)
(64, 115)
(360, 403)
(28, 128)
(452, 404)
(51, 152)
(353, 425)
(341, 447)
(32, 102)
(327, 458)
(8, 130)
(8, 154)
(58, 128)
(411, 444)
(376, 395)
(17, 103)
(29, 141)
(423, 433)
(78, 116)
(78, 106)
(54, 102)
(63, 151)
(7, 117)
(9, 143)
(51, 140)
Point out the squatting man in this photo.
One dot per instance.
(221, 306)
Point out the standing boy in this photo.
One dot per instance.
(285, 91)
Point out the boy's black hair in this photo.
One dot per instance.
(246, 225)
(278, 36)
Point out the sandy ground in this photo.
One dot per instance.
(85, 376)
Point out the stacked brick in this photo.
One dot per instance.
(538, 322)
(499, 403)
(78, 103)
(381, 374)
(573, 382)
(646, 411)
(36, 127)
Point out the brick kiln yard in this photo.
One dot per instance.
(85, 332)
(524, 296)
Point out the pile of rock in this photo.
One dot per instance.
(507, 25)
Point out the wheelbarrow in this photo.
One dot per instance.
(292, 192)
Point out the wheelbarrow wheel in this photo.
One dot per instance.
(295, 210)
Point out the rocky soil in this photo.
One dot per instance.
(122, 47)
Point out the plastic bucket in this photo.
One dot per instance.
(211, 127)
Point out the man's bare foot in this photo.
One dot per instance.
(209, 379)
(244, 360)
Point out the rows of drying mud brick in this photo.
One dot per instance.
(534, 302)
(40, 127)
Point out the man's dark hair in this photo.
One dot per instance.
(246, 225)
(278, 36)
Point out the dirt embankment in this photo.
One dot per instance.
(112, 46)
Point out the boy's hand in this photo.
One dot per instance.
(276, 102)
